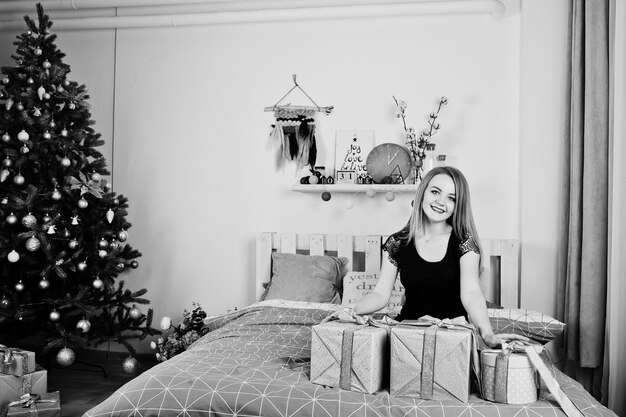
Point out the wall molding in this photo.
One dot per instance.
(114, 14)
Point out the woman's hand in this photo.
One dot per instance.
(494, 340)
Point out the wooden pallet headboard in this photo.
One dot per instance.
(499, 279)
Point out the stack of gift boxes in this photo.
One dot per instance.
(24, 386)
(427, 359)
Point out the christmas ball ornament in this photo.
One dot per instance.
(5, 80)
(122, 235)
(19, 179)
(115, 201)
(107, 186)
(38, 51)
(13, 256)
(83, 325)
(73, 244)
(19, 287)
(82, 266)
(46, 96)
(46, 64)
(135, 313)
(66, 162)
(30, 81)
(52, 123)
(66, 83)
(102, 253)
(95, 177)
(390, 196)
(47, 135)
(19, 107)
(134, 264)
(32, 244)
(44, 284)
(66, 357)
(11, 219)
(23, 135)
(325, 196)
(60, 89)
(56, 194)
(370, 193)
(29, 221)
(82, 203)
(313, 179)
(349, 204)
(46, 218)
(121, 266)
(24, 149)
(110, 215)
(7, 162)
(6, 137)
(130, 365)
(97, 284)
(114, 245)
(5, 302)
(103, 244)
(64, 132)
(54, 315)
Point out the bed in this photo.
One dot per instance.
(256, 361)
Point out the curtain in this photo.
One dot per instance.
(615, 356)
(582, 281)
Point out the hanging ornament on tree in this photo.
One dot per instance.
(54, 315)
(64, 132)
(7, 162)
(97, 283)
(47, 135)
(19, 287)
(30, 81)
(73, 244)
(66, 357)
(19, 179)
(113, 245)
(9, 103)
(66, 162)
(44, 284)
(135, 313)
(102, 253)
(11, 219)
(46, 64)
(82, 203)
(75, 220)
(23, 136)
(40, 92)
(110, 215)
(6, 138)
(29, 221)
(13, 256)
(83, 325)
(103, 244)
(52, 123)
(134, 264)
(122, 235)
(19, 106)
(56, 194)
(24, 149)
(51, 229)
(46, 218)
(82, 266)
(95, 177)
(5, 302)
(38, 51)
(130, 365)
(32, 244)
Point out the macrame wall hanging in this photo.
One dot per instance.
(293, 134)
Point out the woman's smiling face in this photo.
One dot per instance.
(439, 198)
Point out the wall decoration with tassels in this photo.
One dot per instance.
(293, 134)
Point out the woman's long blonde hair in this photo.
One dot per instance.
(462, 220)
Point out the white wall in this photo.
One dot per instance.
(188, 134)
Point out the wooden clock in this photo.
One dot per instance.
(389, 163)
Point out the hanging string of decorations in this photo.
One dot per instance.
(293, 134)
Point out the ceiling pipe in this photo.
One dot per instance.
(219, 16)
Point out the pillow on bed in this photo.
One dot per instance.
(358, 284)
(314, 278)
(538, 326)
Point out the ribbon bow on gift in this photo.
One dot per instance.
(27, 400)
(7, 356)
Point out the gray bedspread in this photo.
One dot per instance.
(255, 362)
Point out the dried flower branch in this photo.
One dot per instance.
(190, 329)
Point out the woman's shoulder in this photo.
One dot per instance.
(394, 243)
(468, 243)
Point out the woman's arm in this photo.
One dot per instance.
(474, 302)
(379, 297)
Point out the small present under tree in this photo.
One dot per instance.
(62, 229)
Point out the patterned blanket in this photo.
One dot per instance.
(255, 362)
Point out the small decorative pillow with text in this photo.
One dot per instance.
(533, 324)
(358, 284)
(314, 278)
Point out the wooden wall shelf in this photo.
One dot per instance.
(354, 188)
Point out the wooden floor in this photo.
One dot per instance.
(82, 387)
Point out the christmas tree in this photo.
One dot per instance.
(62, 229)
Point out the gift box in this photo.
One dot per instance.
(13, 387)
(433, 359)
(507, 377)
(16, 361)
(349, 356)
(44, 405)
